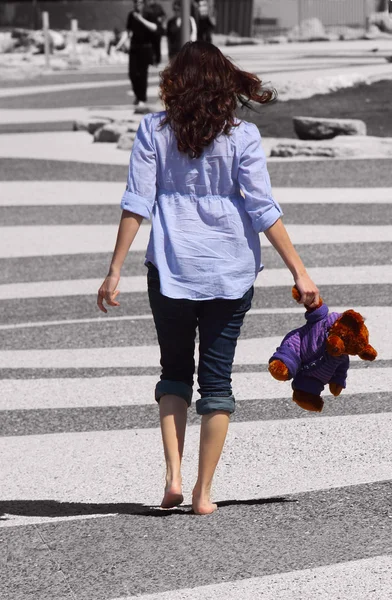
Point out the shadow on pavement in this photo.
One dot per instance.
(52, 508)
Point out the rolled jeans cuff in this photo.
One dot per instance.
(209, 404)
(176, 388)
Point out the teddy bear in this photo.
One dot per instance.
(318, 353)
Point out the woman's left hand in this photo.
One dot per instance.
(108, 292)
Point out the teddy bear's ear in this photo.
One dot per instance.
(369, 353)
(295, 293)
(352, 319)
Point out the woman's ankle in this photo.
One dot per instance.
(201, 501)
(173, 483)
(202, 492)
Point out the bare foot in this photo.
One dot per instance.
(172, 497)
(202, 505)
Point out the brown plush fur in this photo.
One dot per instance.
(348, 335)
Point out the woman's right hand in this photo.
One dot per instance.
(108, 292)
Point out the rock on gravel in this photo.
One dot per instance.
(382, 20)
(339, 147)
(310, 30)
(113, 131)
(91, 125)
(314, 128)
(126, 140)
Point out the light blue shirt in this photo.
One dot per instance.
(206, 212)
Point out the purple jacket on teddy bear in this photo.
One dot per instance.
(303, 351)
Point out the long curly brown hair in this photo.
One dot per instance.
(201, 90)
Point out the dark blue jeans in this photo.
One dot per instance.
(219, 324)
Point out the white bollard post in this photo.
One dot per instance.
(73, 60)
(74, 31)
(45, 27)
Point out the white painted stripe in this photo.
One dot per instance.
(251, 351)
(48, 240)
(57, 193)
(333, 195)
(72, 113)
(71, 287)
(60, 193)
(97, 321)
(358, 275)
(22, 394)
(356, 580)
(260, 459)
(75, 146)
(20, 520)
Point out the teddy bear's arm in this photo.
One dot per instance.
(289, 353)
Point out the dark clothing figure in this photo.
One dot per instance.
(139, 61)
(174, 38)
(205, 27)
(157, 15)
(114, 40)
(141, 55)
(205, 23)
(141, 36)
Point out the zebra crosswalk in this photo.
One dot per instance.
(304, 500)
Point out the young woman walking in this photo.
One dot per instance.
(200, 175)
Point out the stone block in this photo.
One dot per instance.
(339, 147)
(312, 128)
(91, 125)
(277, 39)
(126, 140)
(382, 20)
(291, 148)
(110, 133)
(310, 30)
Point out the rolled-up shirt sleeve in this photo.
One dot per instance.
(140, 193)
(255, 182)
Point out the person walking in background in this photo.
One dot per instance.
(141, 51)
(155, 13)
(173, 30)
(114, 40)
(200, 175)
(205, 22)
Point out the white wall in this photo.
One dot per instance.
(331, 12)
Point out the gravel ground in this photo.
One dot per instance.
(370, 103)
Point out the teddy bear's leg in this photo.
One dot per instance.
(308, 401)
(335, 388)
